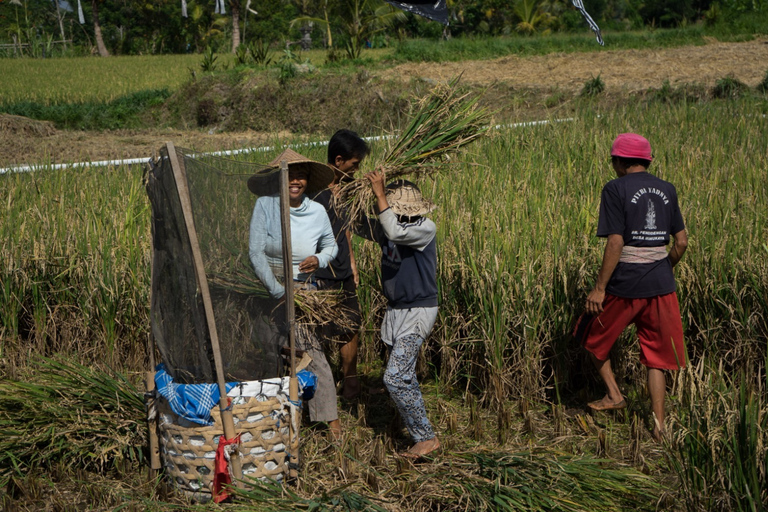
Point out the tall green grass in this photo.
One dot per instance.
(76, 263)
(516, 231)
(718, 449)
(127, 111)
(82, 80)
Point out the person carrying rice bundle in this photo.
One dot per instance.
(346, 150)
(409, 281)
(313, 247)
(636, 284)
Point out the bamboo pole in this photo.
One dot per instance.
(149, 382)
(290, 309)
(180, 176)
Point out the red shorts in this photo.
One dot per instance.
(659, 329)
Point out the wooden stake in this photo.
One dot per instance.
(149, 383)
(290, 309)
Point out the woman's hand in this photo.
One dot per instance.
(309, 265)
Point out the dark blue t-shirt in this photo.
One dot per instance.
(644, 210)
(340, 267)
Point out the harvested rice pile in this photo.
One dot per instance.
(19, 125)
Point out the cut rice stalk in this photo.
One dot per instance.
(443, 121)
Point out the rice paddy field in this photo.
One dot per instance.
(504, 382)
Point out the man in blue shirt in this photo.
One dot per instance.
(638, 214)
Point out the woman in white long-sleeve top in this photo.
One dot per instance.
(313, 246)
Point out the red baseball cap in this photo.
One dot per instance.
(632, 145)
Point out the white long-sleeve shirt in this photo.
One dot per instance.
(311, 235)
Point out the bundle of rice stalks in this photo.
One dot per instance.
(64, 411)
(259, 495)
(546, 480)
(312, 307)
(322, 307)
(442, 123)
(536, 480)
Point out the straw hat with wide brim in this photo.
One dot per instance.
(319, 175)
(405, 199)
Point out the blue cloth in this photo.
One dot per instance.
(307, 383)
(194, 402)
(190, 401)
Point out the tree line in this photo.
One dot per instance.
(43, 28)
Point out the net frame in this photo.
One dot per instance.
(177, 162)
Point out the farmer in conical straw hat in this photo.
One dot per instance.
(638, 214)
(346, 150)
(313, 246)
(409, 280)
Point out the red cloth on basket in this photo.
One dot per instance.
(221, 473)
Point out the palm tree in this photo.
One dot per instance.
(234, 7)
(532, 16)
(97, 29)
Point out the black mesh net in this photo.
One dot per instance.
(246, 318)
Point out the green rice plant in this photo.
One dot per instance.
(260, 53)
(763, 85)
(593, 87)
(729, 88)
(208, 64)
(61, 411)
(473, 48)
(720, 450)
(260, 495)
(516, 232)
(83, 286)
(60, 81)
(530, 480)
(517, 212)
(123, 112)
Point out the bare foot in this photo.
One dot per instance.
(422, 448)
(659, 435)
(334, 430)
(606, 404)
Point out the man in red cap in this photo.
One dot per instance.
(638, 214)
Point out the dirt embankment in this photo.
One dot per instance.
(623, 71)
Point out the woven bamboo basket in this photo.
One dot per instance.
(267, 450)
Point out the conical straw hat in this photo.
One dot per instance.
(405, 199)
(320, 175)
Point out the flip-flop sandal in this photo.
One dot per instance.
(599, 405)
